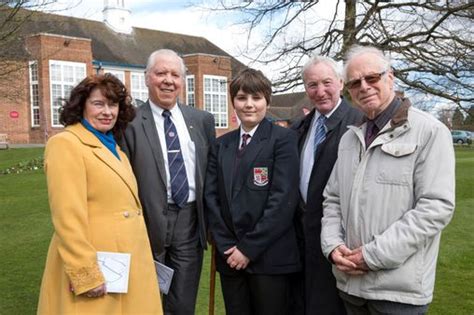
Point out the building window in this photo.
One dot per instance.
(190, 100)
(63, 76)
(138, 87)
(34, 94)
(119, 74)
(215, 99)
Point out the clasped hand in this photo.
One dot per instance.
(236, 260)
(349, 261)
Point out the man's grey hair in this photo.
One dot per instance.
(165, 52)
(316, 59)
(357, 50)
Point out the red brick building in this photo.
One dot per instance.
(52, 53)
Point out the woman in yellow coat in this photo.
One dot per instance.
(95, 207)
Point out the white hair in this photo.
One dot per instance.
(357, 50)
(316, 59)
(165, 52)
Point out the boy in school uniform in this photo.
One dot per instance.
(251, 194)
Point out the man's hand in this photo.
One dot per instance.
(340, 256)
(358, 259)
(236, 259)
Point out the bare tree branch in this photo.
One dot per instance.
(431, 43)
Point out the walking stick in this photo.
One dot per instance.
(212, 282)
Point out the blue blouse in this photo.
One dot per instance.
(107, 139)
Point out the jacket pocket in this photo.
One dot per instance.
(406, 278)
(399, 149)
(396, 164)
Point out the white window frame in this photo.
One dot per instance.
(118, 73)
(141, 92)
(220, 110)
(79, 72)
(34, 94)
(190, 91)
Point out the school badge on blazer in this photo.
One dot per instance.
(260, 176)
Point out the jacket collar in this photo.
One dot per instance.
(401, 115)
(121, 167)
(390, 131)
(84, 135)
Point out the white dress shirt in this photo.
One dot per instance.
(307, 156)
(250, 133)
(188, 149)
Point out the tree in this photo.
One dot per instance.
(469, 120)
(430, 42)
(12, 18)
(14, 14)
(458, 119)
(445, 115)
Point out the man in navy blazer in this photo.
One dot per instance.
(323, 84)
(177, 231)
(251, 195)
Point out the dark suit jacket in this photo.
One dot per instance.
(320, 285)
(254, 210)
(142, 146)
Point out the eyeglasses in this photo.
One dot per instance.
(369, 79)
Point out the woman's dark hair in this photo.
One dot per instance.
(112, 89)
(251, 81)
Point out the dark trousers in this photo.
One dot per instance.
(249, 294)
(184, 254)
(297, 280)
(359, 306)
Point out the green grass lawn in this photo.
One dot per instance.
(25, 232)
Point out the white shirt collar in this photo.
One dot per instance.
(251, 132)
(317, 114)
(158, 110)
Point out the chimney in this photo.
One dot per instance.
(116, 16)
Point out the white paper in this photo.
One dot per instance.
(116, 268)
(165, 276)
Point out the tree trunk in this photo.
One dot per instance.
(349, 26)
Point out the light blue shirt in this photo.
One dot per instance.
(307, 156)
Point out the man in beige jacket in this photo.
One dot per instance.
(389, 196)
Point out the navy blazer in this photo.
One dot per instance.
(253, 207)
(320, 285)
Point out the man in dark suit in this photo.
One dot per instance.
(319, 135)
(251, 197)
(167, 144)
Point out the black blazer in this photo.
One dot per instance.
(253, 206)
(142, 146)
(320, 284)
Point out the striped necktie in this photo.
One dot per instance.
(178, 178)
(245, 139)
(320, 132)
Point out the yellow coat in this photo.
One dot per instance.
(94, 207)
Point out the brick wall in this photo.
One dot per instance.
(46, 47)
(14, 112)
(202, 64)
